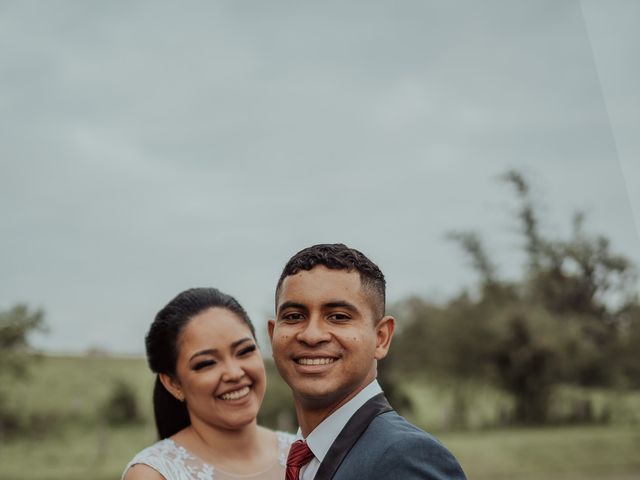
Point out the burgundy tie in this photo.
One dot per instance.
(299, 455)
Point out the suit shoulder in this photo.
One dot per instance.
(396, 425)
(411, 452)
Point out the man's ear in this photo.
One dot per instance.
(384, 333)
(271, 324)
(172, 385)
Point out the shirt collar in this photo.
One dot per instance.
(323, 436)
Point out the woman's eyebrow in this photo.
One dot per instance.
(208, 351)
(213, 351)
(240, 342)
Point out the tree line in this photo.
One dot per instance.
(572, 317)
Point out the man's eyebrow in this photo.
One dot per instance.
(290, 304)
(340, 304)
(213, 351)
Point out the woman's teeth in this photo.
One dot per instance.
(236, 394)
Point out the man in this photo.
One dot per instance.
(329, 332)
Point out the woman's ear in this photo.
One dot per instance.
(172, 385)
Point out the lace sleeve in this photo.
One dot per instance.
(172, 462)
(284, 442)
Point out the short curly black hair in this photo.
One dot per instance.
(338, 256)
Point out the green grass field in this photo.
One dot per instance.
(569, 453)
(75, 387)
(607, 453)
(75, 443)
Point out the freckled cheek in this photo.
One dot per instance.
(279, 345)
(281, 340)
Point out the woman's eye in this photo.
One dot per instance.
(247, 350)
(203, 364)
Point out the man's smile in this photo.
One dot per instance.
(315, 361)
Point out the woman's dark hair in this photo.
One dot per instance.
(162, 349)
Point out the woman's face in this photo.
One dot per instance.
(220, 370)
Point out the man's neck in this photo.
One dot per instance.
(312, 412)
(309, 419)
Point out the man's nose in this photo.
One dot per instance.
(314, 332)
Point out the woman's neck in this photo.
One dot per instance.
(245, 450)
(241, 442)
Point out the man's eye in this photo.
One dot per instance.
(247, 350)
(339, 317)
(203, 364)
(292, 317)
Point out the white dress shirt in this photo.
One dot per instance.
(323, 436)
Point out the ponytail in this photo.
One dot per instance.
(171, 414)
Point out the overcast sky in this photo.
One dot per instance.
(148, 147)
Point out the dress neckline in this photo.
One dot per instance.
(273, 464)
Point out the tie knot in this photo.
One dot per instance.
(299, 454)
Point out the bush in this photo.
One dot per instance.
(121, 407)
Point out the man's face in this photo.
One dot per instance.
(325, 338)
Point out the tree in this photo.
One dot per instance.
(15, 353)
(571, 317)
(579, 280)
(15, 326)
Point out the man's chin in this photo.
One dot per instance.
(318, 397)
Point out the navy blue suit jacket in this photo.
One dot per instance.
(377, 443)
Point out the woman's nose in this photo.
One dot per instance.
(233, 372)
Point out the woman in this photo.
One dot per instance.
(209, 387)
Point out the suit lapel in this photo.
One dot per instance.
(350, 434)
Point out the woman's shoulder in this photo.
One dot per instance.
(267, 435)
(164, 457)
(285, 439)
(284, 442)
(165, 448)
(140, 471)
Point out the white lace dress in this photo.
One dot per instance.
(174, 462)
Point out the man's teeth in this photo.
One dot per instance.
(235, 394)
(315, 361)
